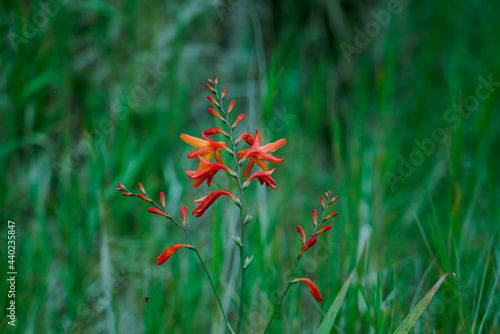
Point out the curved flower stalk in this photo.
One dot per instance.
(256, 154)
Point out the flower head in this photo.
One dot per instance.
(262, 177)
(206, 173)
(206, 201)
(205, 147)
(167, 253)
(259, 154)
(312, 287)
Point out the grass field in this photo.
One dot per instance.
(394, 106)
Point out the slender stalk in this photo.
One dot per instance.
(242, 237)
(201, 261)
(294, 268)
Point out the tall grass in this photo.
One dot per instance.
(73, 124)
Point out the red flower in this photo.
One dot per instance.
(315, 218)
(205, 147)
(208, 200)
(322, 200)
(260, 154)
(206, 173)
(213, 131)
(170, 251)
(248, 138)
(323, 229)
(237, 120)
(263, 177)
(312, 287)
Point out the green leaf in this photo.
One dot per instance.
(417, 311)
(327, 324)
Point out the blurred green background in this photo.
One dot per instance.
(386, 103)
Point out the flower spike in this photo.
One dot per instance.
(307, 245)
(206, 201)
(167, 253)
(322, 230)
(312, 287)
(302, 234)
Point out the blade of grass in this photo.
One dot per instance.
(417, 311)
(327, 324)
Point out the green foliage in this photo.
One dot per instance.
(102, 91)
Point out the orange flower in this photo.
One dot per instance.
(167, 253)
(208, 200)
(260, 154)
(312, 287)
(205, 147)
(206, 173)
(263, 177)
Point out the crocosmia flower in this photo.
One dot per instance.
(206, 173)
(205, 147)
(208, 200)
(312, 287)
(259, 154)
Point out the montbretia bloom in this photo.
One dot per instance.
(205, 147)
(312, 287)
(167, 253)
(259, 154)
(206, 173)
(262, 177)
(208, 200)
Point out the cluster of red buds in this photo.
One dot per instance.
(256, 154)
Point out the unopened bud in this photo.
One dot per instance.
(237, 240)
(248, 260)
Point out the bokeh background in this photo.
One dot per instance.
(393, 105)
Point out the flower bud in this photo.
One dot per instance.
(247, 219)
(162, 199)
(322, 202)
(331, 215)
(315, 218)
(158, 212)
(237, 201)
(144, 198)
(183, 216)
(248, 260)
(143, 191)
(224, 92)
(237, 240)
(308, 245)
(230, 107)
